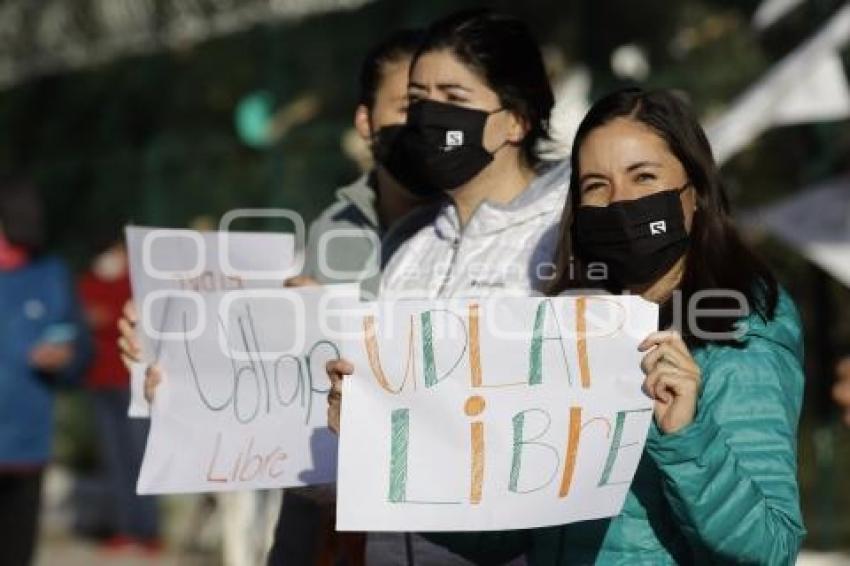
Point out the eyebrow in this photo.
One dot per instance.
(449, 86)
(640, 164)
(440, 86)
(587, 176)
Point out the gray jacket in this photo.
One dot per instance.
(341, 242)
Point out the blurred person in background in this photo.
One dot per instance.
(841, 389)
(43, 345)
(104, 289)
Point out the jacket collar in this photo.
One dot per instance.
(546, 192)
(362, 195)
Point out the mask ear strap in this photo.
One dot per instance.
(504, 143)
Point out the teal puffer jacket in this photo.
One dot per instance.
(722, 490)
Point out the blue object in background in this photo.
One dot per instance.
(253, 116)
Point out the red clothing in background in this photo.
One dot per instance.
(103, 302)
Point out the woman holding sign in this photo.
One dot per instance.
(480, 105)
(717, 481)
(480, 101)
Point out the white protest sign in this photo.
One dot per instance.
(491, 414)
(243, 402)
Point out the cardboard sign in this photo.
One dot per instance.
(495, 414)
(243, 401)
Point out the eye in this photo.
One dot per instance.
(645, 177)
(592, 187)
(456, 99)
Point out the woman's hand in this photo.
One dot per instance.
(301, 281)
(337, 370)
(128, 343)
(153, 377)
(131, 350)
(51, 358)
(672, 379)
(841, 389)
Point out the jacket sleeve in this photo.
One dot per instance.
(70, 312)
(730, 476)
(485, 548)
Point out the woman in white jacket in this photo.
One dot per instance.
(479, 106)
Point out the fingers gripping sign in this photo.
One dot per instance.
(337, 370)
(672, 379)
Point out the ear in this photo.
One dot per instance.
(518, 128)
(362, 123)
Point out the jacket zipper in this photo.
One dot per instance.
(450, 270)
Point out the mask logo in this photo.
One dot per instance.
(454, 138)
(658, 227)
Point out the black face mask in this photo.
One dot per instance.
(440, 147)
(383, 141)
(639, 240)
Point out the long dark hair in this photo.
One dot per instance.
(502, 51)
(717, 257)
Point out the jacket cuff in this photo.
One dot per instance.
(685, 445)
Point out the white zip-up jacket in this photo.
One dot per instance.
(503, 249)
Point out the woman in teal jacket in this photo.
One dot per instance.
(722, 490)
(717, 481)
